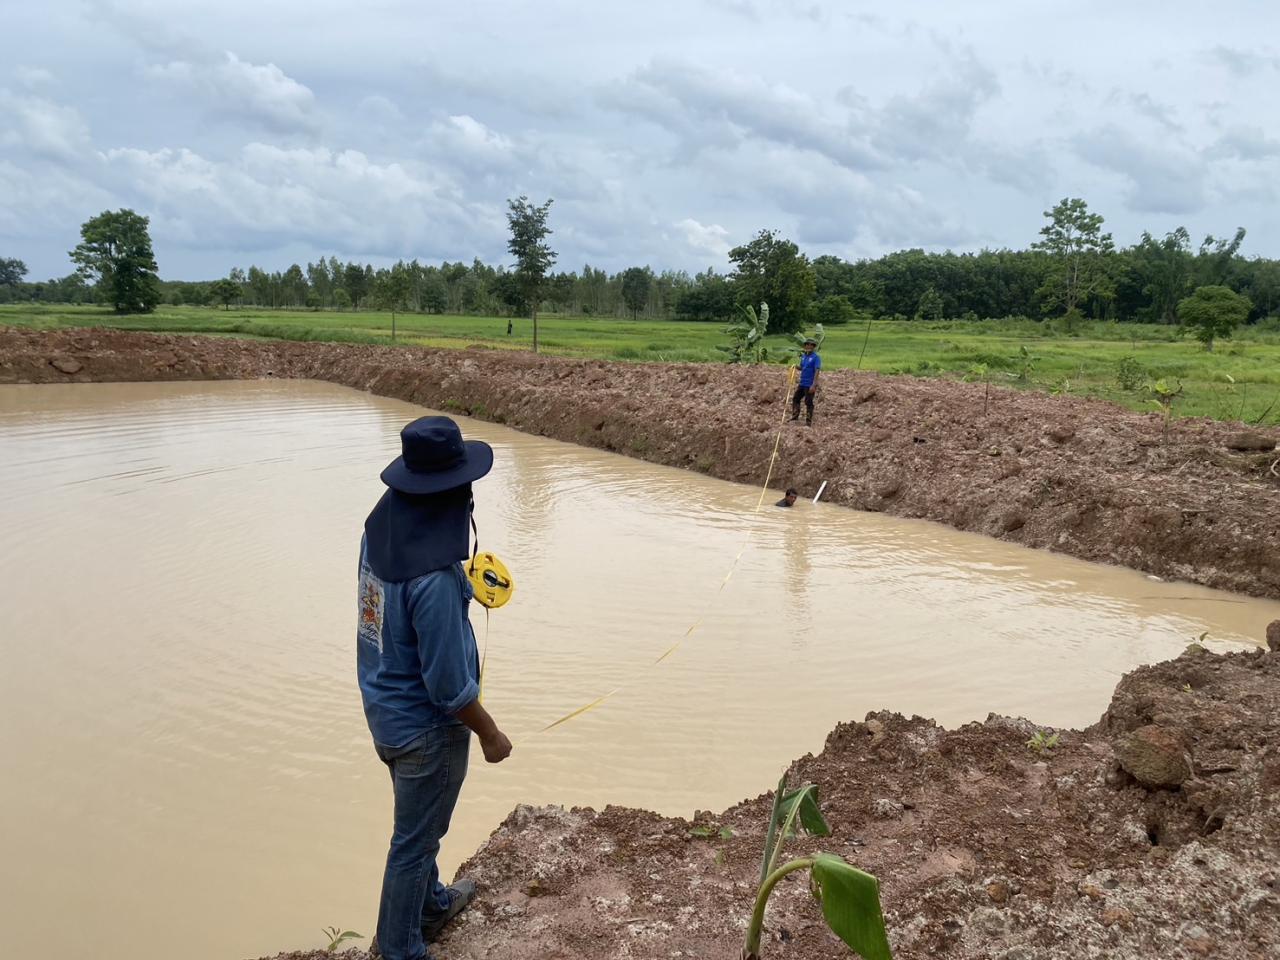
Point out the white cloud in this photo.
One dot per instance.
(468, 141)
(40, 127)
(710, 238)
(268, 195)
(1160, 178)
(33, 78)
(237, 88)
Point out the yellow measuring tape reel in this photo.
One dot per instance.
(490, 579)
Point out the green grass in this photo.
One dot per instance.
(1240, 379)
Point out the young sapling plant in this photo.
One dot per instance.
(850, 898)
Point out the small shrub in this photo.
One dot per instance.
(1129, 374)
(1041, 743)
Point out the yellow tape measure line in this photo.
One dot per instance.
(581, 710)
(764, 492)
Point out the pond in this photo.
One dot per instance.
(186, 765)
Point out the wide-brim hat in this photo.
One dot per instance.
(435, 458)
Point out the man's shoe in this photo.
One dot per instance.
(460, 894)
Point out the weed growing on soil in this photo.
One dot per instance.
(338, 936)
(1026, 363)
(980, 371)
(1163, 397)
(724, 833)
(1042, 744)
(850, 898)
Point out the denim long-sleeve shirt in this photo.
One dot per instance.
(416, 654)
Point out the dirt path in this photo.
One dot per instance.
(1079, 476)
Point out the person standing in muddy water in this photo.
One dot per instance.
(419, 670)
(810, 364)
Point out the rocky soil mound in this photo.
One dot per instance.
(1154, 833)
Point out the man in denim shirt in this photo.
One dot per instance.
(419, 670)
(810, 364)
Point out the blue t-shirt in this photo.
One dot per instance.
(810, 364)
(416, 655)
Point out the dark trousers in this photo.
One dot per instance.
(426, 775)
(802, 393)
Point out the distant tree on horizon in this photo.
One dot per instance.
(534, 256)
(115, 252)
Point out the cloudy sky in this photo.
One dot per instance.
(276, 131)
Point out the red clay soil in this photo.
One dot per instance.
(984, 846)
(1083, 477)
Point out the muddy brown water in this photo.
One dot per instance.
(186, 766)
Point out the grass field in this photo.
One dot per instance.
(1240, 379)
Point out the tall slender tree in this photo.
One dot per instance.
(1078, 251)
(534, 257)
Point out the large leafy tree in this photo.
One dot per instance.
(709, 297)
(356, 280)
(771, 269)
(11, 272)
(636, 282)
(1078, 255)
(224, 291)
(534, 256)
(115, 251)
(1213, 312)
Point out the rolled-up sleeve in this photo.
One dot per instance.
(446, 645)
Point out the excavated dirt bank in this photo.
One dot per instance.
(1078, 476)
(984, 846)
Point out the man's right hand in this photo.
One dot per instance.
(496, 747)
(493, 741)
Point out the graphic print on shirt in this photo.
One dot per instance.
(371, 608)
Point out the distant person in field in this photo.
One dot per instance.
(419, 670)
(789, 500)
(810, 364)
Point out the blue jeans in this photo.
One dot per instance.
(426, 775)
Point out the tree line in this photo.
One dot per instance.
(1073, 271)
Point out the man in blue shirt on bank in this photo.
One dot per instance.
(419, 670)
(810, 364)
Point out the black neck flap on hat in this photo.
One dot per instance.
(408, 535)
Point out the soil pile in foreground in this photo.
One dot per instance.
(1154, 833)
(1197, 502)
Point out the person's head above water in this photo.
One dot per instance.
(791, 495)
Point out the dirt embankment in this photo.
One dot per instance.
(1153, 834)
(1078, 476)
